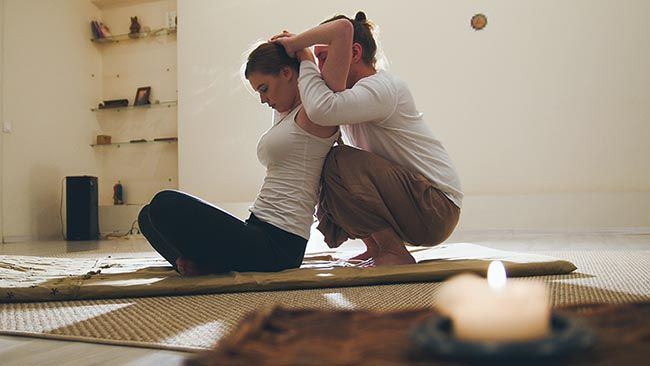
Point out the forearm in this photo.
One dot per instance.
(338, 36)
(328, 33)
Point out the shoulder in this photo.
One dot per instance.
(380, 77)
(399, 87)
(381, 81)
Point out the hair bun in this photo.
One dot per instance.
(360, 17)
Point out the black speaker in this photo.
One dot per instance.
(82, 212)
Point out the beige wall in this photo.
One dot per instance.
(47, 91)
(2, 33)
(546, 112)
(53, 76)
(142, 169)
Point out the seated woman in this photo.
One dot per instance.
(199, 238)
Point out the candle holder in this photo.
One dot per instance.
(435, 336)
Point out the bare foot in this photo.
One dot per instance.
(360, 263)
(187, 267)
(390, 249)
(390, 259)
(361, 257)
(371, 250)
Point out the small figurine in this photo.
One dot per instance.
(118, 191)
(135, 27)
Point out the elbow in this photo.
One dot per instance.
(336, 86)
(344, 29)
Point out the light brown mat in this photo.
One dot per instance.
(195, 322)
(25, 278)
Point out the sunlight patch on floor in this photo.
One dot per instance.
(338, 300)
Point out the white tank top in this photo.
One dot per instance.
(294, 160)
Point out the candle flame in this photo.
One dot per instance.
(496, 275)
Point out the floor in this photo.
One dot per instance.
(33, 351)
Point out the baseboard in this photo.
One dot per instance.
(551, 231)
(16, 239)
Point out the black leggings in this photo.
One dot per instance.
(179, 225)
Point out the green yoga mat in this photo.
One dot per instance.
(29, 278)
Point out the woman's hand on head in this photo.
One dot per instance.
(285, 39)
(284, 34)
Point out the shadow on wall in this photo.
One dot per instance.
(44, 200)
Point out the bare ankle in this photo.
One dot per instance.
(387, 258)
(387, 241)
(187, 267)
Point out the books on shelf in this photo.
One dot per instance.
(99, 30)
(95, 30)
(114, 103)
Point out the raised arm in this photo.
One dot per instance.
(323, 92)
(338, 36)
(367, 101)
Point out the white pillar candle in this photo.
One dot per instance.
(496, 309)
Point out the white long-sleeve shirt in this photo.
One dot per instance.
(294, 161)
(378, 114)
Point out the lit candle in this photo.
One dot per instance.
(494, 310)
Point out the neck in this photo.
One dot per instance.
(296, 102)
(358, 73)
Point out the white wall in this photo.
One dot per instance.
(546, 112)
(48, 89)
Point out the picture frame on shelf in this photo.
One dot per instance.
(142, 96)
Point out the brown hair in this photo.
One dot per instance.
(269, 58)
(362, 35)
